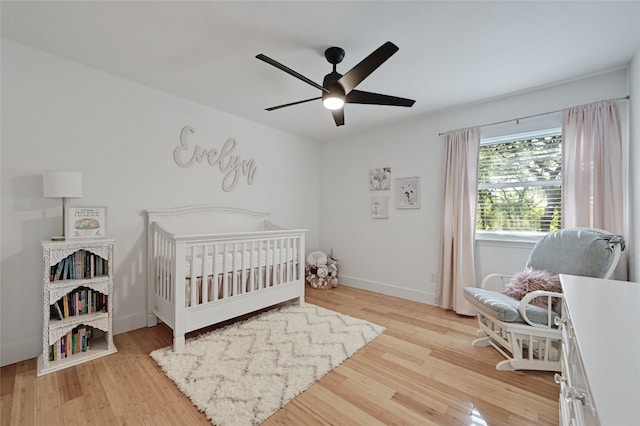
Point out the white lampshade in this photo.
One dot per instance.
(62, 183)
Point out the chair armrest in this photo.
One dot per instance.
(496, 282)
(522, 308)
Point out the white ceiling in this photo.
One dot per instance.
(451, 53)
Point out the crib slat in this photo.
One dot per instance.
(273, 263)
(260, 266)
(276, 261)
(171, 255)
(289, 258)
(214, 273)
(157, 265)
(243, 283)
(225, 270)
(167, 257)
(160, 265)
(205, 276)
(194, 277)
(252, 270)
(234, 267)
(300, 258)
(280, 261)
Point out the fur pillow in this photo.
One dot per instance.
(529, 280)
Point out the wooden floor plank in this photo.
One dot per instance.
(421, 370)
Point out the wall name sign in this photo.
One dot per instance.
(229, 163)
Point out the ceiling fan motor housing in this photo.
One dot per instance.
(334, 55)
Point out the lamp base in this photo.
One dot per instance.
(58, 238)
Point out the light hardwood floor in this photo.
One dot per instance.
(422, 370)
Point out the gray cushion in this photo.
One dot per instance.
(503, 307)
(574, 251)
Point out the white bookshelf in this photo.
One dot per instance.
(89, 275)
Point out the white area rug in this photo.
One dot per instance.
(245, 372)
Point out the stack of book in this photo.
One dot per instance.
(75, 341)
(80, 301)
(81, 264)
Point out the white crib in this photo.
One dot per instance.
(207, 264)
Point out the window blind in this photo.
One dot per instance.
(520, 183)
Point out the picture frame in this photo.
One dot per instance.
(380, 179)
(407, 192)
(379, 207)
(85, 222)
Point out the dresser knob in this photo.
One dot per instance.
(575, 394)
(558, 320)
(559, 379)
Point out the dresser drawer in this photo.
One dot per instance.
(576, 404)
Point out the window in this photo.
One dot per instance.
(520, 183)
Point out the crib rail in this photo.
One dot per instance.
(210, 268)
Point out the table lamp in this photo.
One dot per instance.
(62, 184)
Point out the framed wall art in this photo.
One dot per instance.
(407, 191)
(85, 222)
(380, 179)
(379, 207)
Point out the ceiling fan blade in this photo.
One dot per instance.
(355, 75)
(360, 97)
(338, 116)
(290, 71)
(292, 103)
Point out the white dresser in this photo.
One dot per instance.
(600, 379)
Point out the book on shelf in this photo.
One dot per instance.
(65, 305)
(56, 312)
(78, 270)
(59, 270)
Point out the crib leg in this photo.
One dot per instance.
(178, 343)
(301, 300)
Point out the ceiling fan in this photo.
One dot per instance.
(338, 89)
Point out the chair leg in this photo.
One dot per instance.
(505, 365)
(482, 342)
(539, 365)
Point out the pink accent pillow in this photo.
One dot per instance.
(529, 280)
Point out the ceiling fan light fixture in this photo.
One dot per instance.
(333, 102)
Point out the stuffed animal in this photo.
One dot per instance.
(321, 270)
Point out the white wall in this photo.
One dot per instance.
(400, 255)
(634, 168)
(57, 114)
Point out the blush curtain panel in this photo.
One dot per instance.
(459, 225)
(592, 170)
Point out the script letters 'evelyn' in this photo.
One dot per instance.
(229, 164)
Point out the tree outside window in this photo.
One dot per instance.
(520, 183)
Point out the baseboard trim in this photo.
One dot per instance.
(129, 322)
(20, 351)
(389, 290)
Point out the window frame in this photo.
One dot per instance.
(511, 236)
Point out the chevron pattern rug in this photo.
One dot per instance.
(245, 372)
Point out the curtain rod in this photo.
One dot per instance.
(532, 116)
